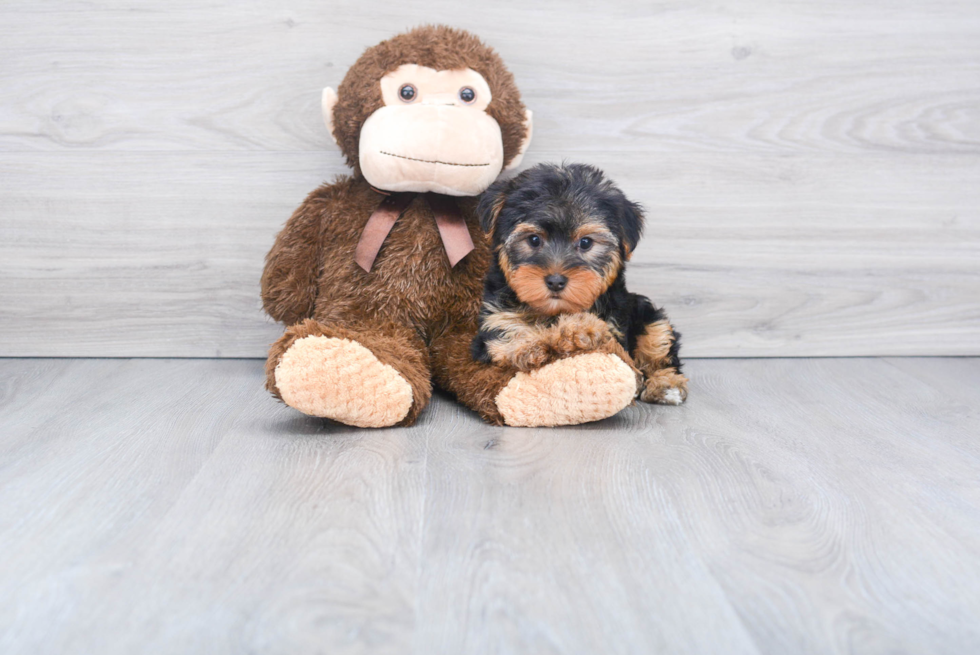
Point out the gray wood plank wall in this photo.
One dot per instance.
(811, 169)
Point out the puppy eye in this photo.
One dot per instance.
(407, 92)
(585, 243)
(467, 95)
(534, 241)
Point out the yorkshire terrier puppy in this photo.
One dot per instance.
(556, 285)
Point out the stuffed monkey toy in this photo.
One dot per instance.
(378, 276)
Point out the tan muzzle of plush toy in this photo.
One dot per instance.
(433, 133)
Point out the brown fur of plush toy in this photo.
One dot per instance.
(411, 300)
(434, 46)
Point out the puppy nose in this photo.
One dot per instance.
(556, 282)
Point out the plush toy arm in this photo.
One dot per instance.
(293, 266)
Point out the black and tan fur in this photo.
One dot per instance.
(569, 227)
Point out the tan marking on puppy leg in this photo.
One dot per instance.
(664, 387)
(653, 347)
(523, 350)
(529, 346)
(662, 383)
(580, 332)
(518, 345)
(511, 320)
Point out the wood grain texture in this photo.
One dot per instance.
(809, 168)
(805, 506)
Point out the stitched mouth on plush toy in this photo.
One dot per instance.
(431, 161)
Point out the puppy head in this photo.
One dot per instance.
(561, 234)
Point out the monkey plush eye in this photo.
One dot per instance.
(467, 95)
(406, 92)
(585, 243)
(534, 241)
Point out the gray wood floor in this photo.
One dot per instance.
(792, 506)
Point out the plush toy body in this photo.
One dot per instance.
(379, 276)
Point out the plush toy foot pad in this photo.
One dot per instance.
(342, 380)
(570, 391)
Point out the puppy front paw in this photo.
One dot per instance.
(528, 355)
(537, 346)
(664, 387)
(522, 352)
(579, 333)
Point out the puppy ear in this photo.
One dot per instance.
(491, 203)
(631, 223)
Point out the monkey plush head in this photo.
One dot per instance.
(433, 109)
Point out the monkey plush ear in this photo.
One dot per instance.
(631, 222)
(327, 102)
(528, 127)
(491, 203)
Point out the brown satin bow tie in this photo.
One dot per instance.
(452, 228)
